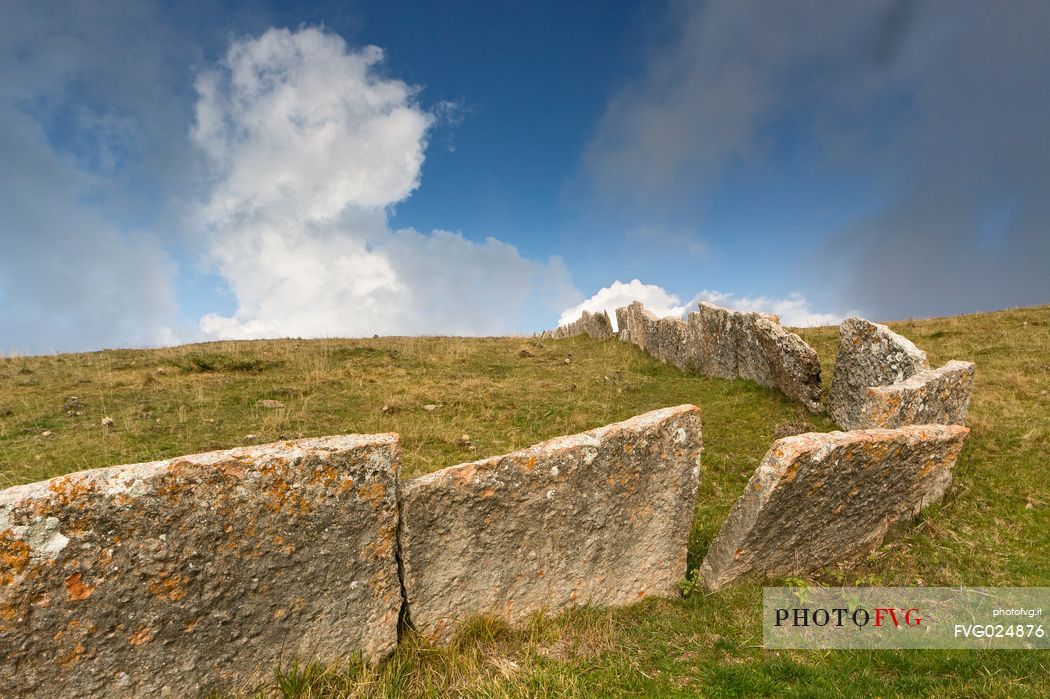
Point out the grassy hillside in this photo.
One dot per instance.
(488, 396)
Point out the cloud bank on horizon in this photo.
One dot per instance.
(794, 310)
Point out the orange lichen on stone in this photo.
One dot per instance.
(14, 557)
(169, 587)
(77, 589)
(372, 493)
(141, 636)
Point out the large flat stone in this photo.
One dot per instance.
(597, 325)
(868, 355)
(598, 518)
(179, 577)
(932, 396)
(821, 498)
(728, 344)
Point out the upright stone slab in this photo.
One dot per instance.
(868, 355)
(599, 518)
(728, 344)
(663, 338)
(179, 577)
(754, 346)
(932, 396)
(597, 325)
(821, 498)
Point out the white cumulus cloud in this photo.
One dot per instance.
(794, 310)
(309, 146)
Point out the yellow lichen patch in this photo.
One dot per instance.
(169, 587)
(628, 448)
(792, 470)
(77, 589)
(531, 463)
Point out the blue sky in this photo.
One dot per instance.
(181, 171)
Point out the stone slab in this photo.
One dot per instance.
(663, 338)
(600, 518)
(180, 577)
(932, 396)
(755, 346)
(728, 344)
(821, 498)
(597, 325)
(869, 355)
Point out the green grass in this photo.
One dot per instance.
(506, 393)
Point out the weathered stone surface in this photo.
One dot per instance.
(868, 355)
(597, 325)
(932, 396)
(754, 346)
(820, 498)
(178, 577)
(728, 344)
(663, 338)
(601, 517)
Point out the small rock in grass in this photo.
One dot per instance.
(430, 407)
(250, 437)
(268, 403)
(47, 433)
(74, 406)
(390, 409)
(107, 422)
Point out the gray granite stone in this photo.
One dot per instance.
(597, 325)
(601, 517)
(821, 498)
(932, 396)
(868, 355)
(203, 572)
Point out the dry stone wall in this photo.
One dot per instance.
(180, 577)
(597, 325)
(817, 499)
(728, 344)
(601, 517)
